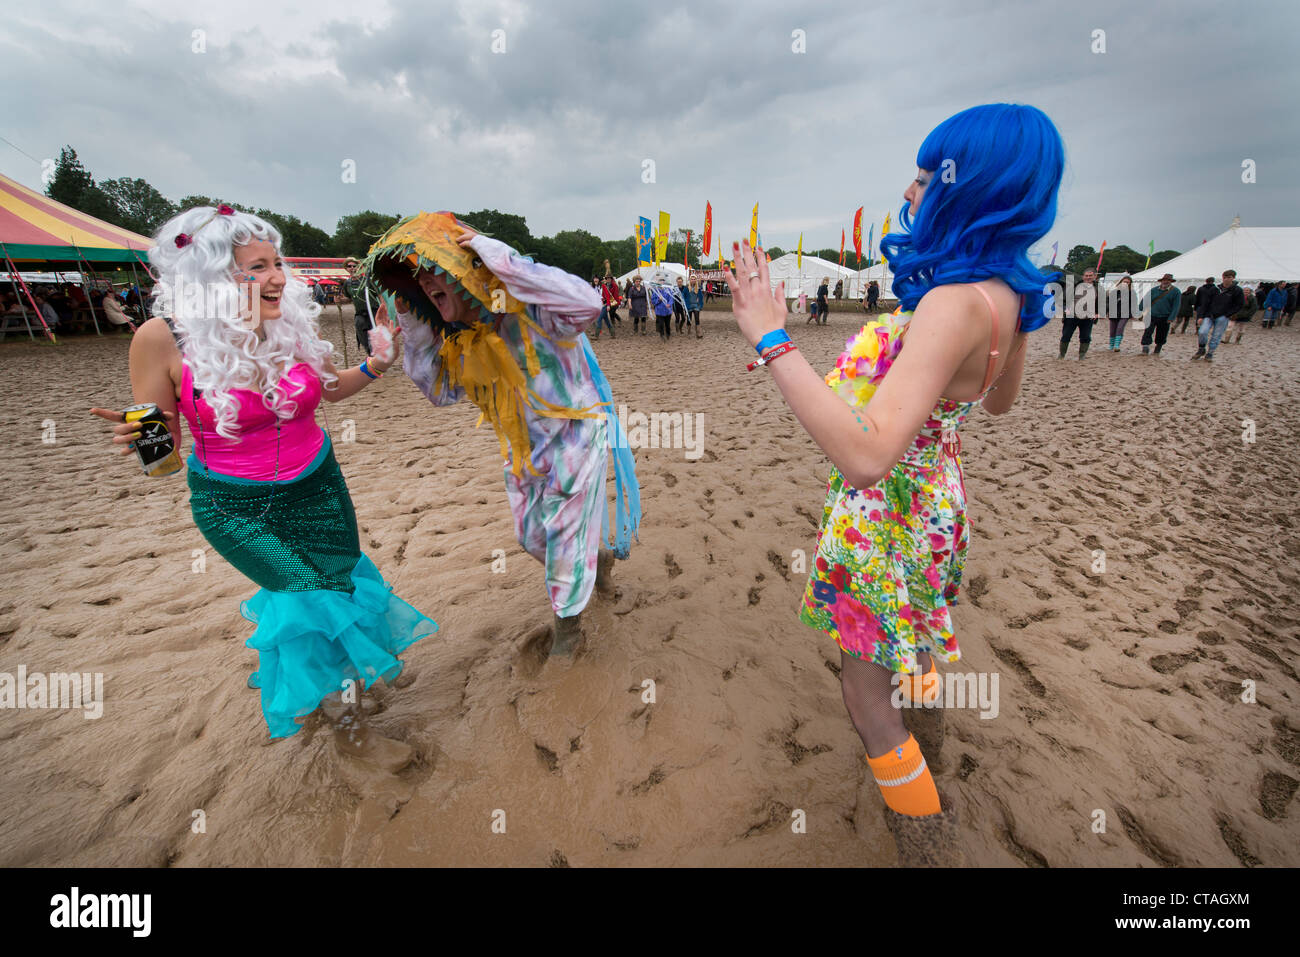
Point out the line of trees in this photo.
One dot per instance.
(135, 205)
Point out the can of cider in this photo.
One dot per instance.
(155, 446)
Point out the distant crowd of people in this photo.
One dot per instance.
(1219, 310)
(60, 305)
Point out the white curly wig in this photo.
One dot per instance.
(223, 352)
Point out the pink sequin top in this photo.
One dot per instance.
(252, 454)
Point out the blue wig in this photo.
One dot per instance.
(996, 170)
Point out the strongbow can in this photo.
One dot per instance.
(155, 446)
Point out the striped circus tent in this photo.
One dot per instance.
(34, 228)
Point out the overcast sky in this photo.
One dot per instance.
(558, 126)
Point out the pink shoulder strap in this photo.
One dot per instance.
(993, 349)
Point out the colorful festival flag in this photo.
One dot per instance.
(871, 238)
(686, 256)
(663, 236)
(1055, 246)
(857, 234)
(1151, 251)
(645, 249)
(1101, 253)
(841, 248)
(798, 256)
(707, 242)
(753, 228)
(884, 230)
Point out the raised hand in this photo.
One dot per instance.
(758, 307)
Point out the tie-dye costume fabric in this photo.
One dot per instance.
(559, 507)
(890, 557)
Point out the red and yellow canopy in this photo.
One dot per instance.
(36, 228)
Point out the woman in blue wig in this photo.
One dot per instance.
(487, 324)
(893, 539)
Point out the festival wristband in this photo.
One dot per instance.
(773, 338)
(365, 368)
(771, 354)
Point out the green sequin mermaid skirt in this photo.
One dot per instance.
(324, 614)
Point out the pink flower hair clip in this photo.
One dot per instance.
(183, 240)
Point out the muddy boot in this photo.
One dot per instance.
(354, 738)
(1064, 348)
(927, 726)
(567, 636)
(605, 573)
(929, 841)
(1083, 349)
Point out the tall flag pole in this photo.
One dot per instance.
(1101, 253)
(706, 242)
(798, 257)
(1151, 251)
(841, 247)
(753, 229)
(857, 235)
(686, 256)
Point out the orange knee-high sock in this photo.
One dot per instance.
(905, 781)
(921, 688)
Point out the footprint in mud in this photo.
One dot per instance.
(1275, 794)
(533, 651)
(1168, 664)
(779, 564)
(1013, 661)
(670, 480)
(671, 564)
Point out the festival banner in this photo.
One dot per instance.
(663, 236)
(707, 241)
(841, 248)
(798, 256)
(884, 230)
(1101, 253)
(1055, 245)
(857, 234)
(753, 229)
(871, 238)
(686, 256)
(645, 249)
(1151, 251)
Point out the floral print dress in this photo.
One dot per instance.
(890, 557)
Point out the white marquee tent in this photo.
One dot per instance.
(1257, 253)
(665, 273)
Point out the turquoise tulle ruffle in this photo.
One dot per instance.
(309, 642)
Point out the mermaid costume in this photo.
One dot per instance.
(274, 504)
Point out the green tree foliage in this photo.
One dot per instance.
(507, 227)
(355, 234)
(299, 238)
(73, 186)
(140, 207)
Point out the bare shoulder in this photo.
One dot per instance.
(154, 340)
(948, 310)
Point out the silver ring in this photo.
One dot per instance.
(753, 275)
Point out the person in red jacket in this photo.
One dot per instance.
(611, 300)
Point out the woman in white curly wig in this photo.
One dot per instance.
(234, 346)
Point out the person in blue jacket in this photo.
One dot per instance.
(1274, 305)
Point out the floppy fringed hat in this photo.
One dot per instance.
(474, 358)
(428, 241)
